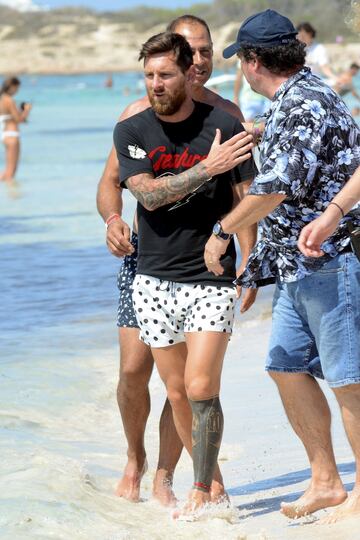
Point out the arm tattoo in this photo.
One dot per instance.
(207, 429)
(155, 192)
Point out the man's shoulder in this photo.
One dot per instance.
(225, 105)
(139, 119)
(135, 128)
(311, 87)
(134, 108)
(219, 115)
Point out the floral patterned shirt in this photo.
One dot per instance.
(309, 150)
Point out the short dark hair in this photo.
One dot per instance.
(279, 59)
(190, 19)
(354, 65)
(8, 83)
(307, 27)
(169, 42)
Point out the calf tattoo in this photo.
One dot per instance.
(207, 429)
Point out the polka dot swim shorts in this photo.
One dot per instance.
(167, 309)
(126, 314)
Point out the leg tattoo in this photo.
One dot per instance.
(207, 429)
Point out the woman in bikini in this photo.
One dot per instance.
(10, 118)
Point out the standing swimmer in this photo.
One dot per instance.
(10, 118)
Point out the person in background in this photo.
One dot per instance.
(316, 55)
(251, 103)
(344, 83)
(109, 83)
(10, 118)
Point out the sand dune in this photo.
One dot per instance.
(94, 46)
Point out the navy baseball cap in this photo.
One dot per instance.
(265, 29)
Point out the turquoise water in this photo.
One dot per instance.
(55, 267)
(58, 301)
(61, 443)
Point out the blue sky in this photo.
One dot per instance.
(119, 4)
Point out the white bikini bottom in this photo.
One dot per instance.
(9, 133)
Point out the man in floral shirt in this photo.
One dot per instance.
(309, 150)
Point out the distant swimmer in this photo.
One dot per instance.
(109, 83)
(344, 83)
(10, 118)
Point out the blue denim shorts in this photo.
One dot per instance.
(316, 324)
(126, 315)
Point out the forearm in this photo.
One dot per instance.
(349, 195)
(153, 193)
(109, 199)
(247, 240)
(249, 211)
(246, 236)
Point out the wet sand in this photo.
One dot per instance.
(64, 485)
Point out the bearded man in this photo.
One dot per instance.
(183, 161)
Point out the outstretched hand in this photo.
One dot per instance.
(227, 155)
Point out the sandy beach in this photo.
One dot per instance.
(262, 461)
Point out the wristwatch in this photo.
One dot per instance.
(218, 231)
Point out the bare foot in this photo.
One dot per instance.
(314, 498)
(349, 509)
(196, 501)
(218, 493)
(162, 488)
(129, 485)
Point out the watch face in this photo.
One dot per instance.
(217, 228)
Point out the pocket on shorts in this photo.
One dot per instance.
(332, 267)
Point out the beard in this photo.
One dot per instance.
(170, 103)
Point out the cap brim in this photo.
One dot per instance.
(231, 50)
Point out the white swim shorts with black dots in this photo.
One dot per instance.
(165, 310)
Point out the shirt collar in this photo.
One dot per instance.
(286, 85)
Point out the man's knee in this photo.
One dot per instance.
(177, 397)
(135, 367)
(201, 387)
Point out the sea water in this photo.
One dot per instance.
(61, 442)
